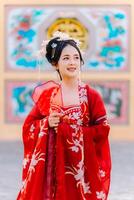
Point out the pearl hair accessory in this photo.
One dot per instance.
(53, 45)
(61, 37)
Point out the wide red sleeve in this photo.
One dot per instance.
(35, 131)
(32, 126)
(31, 129)
(36, 139)
(98, 130)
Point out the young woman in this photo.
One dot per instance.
(66, 149)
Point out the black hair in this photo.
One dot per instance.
(54, 49)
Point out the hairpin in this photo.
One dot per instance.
(53, 45)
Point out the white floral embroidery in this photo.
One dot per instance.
(83, 95)
(78, 171)
(32, 128)
(83, 92)
(101, 195)
(43, 129)
(77, 145)
(102, 173)
(26, 161)
(74, 148)
(79, 122)
(41, 134)
(86, 188)
(79, 175)
(76, 129)
(36, 157)
(74, 126)
(75, 115)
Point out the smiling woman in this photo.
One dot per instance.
(66, 149)
(62, 52)
(69, 63)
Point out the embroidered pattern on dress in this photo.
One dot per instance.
(43, 130)
(76, 145)
(78, 171)
(32, 128)
(26, 161)
(77, 117)
(36, 158)
(101, 195)
(83, 95)
(102, 173)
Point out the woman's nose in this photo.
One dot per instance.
(72, 61)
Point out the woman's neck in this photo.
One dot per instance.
(71, 83)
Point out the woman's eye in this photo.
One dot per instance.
(66, 58)
(77, 57)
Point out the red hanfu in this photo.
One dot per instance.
(72, 163)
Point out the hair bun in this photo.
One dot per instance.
(52, 48)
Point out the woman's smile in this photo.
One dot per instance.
(71, 69)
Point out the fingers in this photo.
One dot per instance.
(54, 119)
(55, 122)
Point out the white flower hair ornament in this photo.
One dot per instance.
(65, 36)
(61, 37)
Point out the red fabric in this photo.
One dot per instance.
(73, 163)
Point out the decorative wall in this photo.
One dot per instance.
(102, 30)
(105, 31)
(115, 95)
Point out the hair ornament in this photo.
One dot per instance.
(42, 52)
(53, 45)
(61, 36)
(64, 36)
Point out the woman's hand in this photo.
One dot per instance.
(54, 119)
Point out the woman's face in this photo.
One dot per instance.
(69, 63)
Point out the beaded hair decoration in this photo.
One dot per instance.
(61, 37)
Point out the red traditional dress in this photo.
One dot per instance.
(73, 163)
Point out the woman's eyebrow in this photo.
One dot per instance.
(69, 55)
(66, 55)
